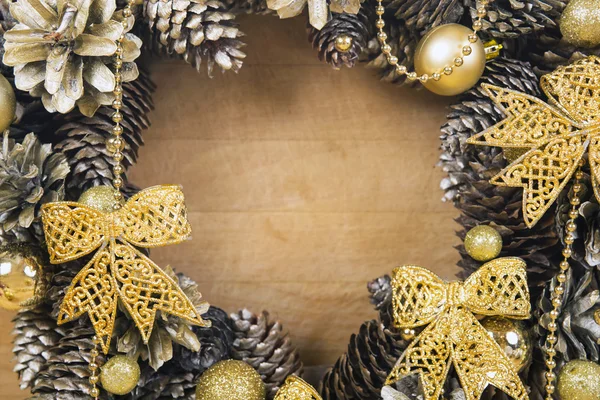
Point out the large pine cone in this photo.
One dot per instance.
(196, 31)
(470, 168)
(264, 345)
(357, 27)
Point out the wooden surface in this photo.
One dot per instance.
(303, 183)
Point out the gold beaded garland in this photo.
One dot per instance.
(483, 243)
(120, 375)
(99, 197)
(231, 380)
(513, 338)
(580, 23)
(579, 380)
(8, 103)
(343, 43)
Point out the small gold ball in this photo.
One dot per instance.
(580, 23)
(579, 380)
(99, 197)
(408, 334)
(343, 43)
(120, 375)
(438, 49)
(230, 379)
(483, 243)
(8, 104)
(94, 392)
(513, 337)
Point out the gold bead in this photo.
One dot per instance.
(550, 376)
(230, 379)
(580, 23)
(481, 12)
(380, 10)
(117, 117)
(473, 38)
(579, 174)
(448, 70)
(93, 353)
(8, 104)
(120, 375)
(579, 380)
(118, 156)
(117, 130)
(94, 392)
(117, 195)
(118, 169)
(393, 60)
(577, 187)
(436, 76)
(93, 366)
(467, 50)
(513, 338)
(127, 12)
(114, 144)
(343, 43)
(551, 339)
(573, 214)
(117, 104)
(407, 334)
(477, 25)
(550, 389)
(94, 379)
(562, 278)
(381, 36)
(552, 328)
(575, 201)
(569, 239)
(386, 49)
(551, 364)
(554, 314)
(118, 63)
(95, 339)
(458, 61)
(380, 23)
(567, 252)
(559, 289)
(557, 302)
(564, 265)
(117, 182)
(412, 75)
(483, 243)
(424, 78)
(401, 69)
(99, 197)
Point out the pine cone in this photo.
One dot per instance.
(263, 344)
(360, 373)
(357, 27)
(195, 31)
(551, 51)
(256, 7)
(31, 174)
(380, 294)
(61, 55)
(82, 139)
(469, 169)
(420, 16)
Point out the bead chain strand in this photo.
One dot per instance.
(386, 49)
(559, 290)
(116, 144)
(93, 366)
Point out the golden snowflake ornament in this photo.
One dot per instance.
(319, 11)
(118, 271)
(556, 136)
(453, 336)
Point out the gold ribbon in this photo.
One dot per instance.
(454, 335)
(153, 217)
(296, 388)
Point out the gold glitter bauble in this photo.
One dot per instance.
(343, 43)
(8, 104)
(99, 197)
(18, 280)
(120, 375)
(230, 380)
(580, 23)
(483, 243)
(579, 380)
(439, 48)
(513, 338)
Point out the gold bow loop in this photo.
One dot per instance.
(454, 336)
(296, 388)
(153, 217)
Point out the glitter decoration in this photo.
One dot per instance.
(453, 336)
(579, 380)
(580, 23)
(230, 380)
(99, 197)
(296, 388)
(483, 243)
(557, 134)
(513, 338)
(118, 271)
(120, 375)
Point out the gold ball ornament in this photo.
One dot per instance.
(439, 49)
(99, 197)
(8, 104)
(579, 380)
(18, 281)
(580, 23)
(513, 338)
(230, 380)
(483, 243)
(120, 375)
(343, 43)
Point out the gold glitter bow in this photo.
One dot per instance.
(153, 217)
(554, 136)
(454, 335)
(296, 389)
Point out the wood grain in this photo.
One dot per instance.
(303, 184)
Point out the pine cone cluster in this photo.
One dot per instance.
(262, 343)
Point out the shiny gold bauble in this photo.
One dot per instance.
(231, 380)
(439, 48)
(580, 23)
(18, 280)
(483, 243)
(8, 103)
(99, 197)
(343, 43)
(579, 380)
(513, 338)
(120, 375)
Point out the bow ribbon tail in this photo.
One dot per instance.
(428, 355)
(93, 291)
(479, 361)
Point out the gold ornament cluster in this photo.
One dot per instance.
(118, 271)
(453, 335)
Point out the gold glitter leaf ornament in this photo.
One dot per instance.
(153, 217)
(453, 335)
(556, 135)
(296, 388)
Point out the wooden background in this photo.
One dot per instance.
(303, 183)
